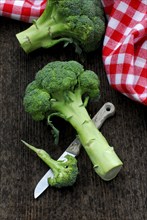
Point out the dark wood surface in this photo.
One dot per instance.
(90, 198)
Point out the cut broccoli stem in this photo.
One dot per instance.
(103, 157)
(36, 37)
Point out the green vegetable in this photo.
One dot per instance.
(80, 22)
(65, 171)
(63, 89)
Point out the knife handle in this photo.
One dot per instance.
(107, 110)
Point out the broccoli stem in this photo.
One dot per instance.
(41, 153)
(53, 164)
(38, 36)
(105, 161)
(103, 157)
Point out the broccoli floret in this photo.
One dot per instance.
(80, 22)
(68, 87)
(64, 171)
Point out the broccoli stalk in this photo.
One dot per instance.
(80, 22)
(104, 160)
(64, 171)
(61, 88)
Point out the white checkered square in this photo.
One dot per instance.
(16, 16)
(113, 23)
(118, 78)
(106, 39)
(2, 1)
(122, 7)
(121, 58)
(130, 79)
(138, 16)
(127, 31)
(108, 60)
(140, 62)
(18, 3)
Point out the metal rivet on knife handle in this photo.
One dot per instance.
(106, 111)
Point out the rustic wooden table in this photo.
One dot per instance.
(20, 170)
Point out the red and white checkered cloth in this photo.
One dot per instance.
(125, 47)
(125, 42)
(24, 10)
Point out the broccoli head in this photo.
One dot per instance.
(64, 171)
(63, 88)
(80, 22)
(58, 82)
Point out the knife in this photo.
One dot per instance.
(107, 110)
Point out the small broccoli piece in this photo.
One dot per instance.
(68, 87)
(80, 22)
(64, 171)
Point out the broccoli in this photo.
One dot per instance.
(80, 22)
(63, 88)
(65, 171)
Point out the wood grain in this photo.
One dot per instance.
(90, 198)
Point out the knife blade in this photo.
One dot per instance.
(107, 110)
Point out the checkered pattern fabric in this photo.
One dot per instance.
(24, 10)
(125, 47)
(125, 41)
